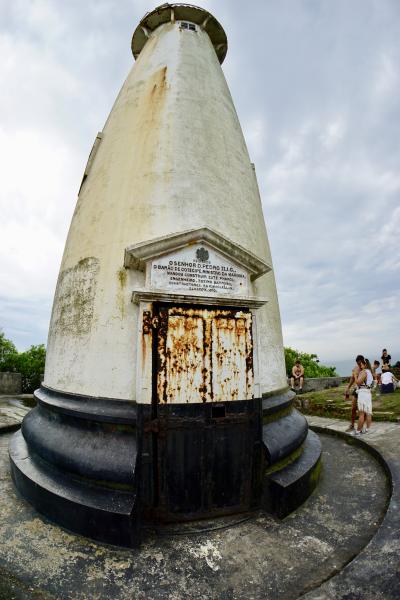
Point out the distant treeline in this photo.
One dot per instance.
(29, 363)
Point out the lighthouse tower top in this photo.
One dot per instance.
(189, 17)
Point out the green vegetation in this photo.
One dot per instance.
(310, 362)
(331, 403)
(29, 363)
(8, 353)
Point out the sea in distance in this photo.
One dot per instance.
(343, 367)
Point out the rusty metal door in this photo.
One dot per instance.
(204, 445)
(204, 355)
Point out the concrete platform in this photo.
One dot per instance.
(313, 552)
(374, 574)
(104, 468)
(13, 409)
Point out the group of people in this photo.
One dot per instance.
(363, 378)
(383, 376)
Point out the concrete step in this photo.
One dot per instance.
(287, 488)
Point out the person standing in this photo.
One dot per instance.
(368, 367)
(364, 382)
(352, 383)
(385, 358)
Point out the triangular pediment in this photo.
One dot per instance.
(138, 255)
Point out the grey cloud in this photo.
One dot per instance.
(315, 84)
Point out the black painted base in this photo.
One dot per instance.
(108, 515)
(99, 466)
(286, 488)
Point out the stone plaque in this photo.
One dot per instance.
(198, 268)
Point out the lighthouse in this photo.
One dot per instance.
(165, 395)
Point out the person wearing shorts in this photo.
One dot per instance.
(352, 382)
(297, 376)
(364, 399)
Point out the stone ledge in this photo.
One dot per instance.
(316, 384)
(13, 409)
(10, 383)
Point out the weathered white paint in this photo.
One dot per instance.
(171, 158)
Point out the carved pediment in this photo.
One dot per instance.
(181, 245)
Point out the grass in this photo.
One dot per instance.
(331, 403)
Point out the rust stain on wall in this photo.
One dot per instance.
(154, 100)
(122, 278)
(74, 304)
(150, 120)
(159, 85)
(204, 355)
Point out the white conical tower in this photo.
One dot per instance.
(165, 394)
(171, 158)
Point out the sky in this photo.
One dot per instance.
(316, 84)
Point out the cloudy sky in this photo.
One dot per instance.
(316, 84)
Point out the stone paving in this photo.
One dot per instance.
(377, 433)
(257, 558)
(13, 409)
(374, 574)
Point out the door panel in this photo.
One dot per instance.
(204, 355)
(206, 465)
(184, 362)
(231, 341)
(203, 452)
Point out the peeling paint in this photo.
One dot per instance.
(204, 355)
(209, 552)
(74, 302)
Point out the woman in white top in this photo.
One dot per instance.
(364, 397)
(388, 381)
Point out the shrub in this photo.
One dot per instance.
(8, 354)
(29, 363)
(31, 366)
